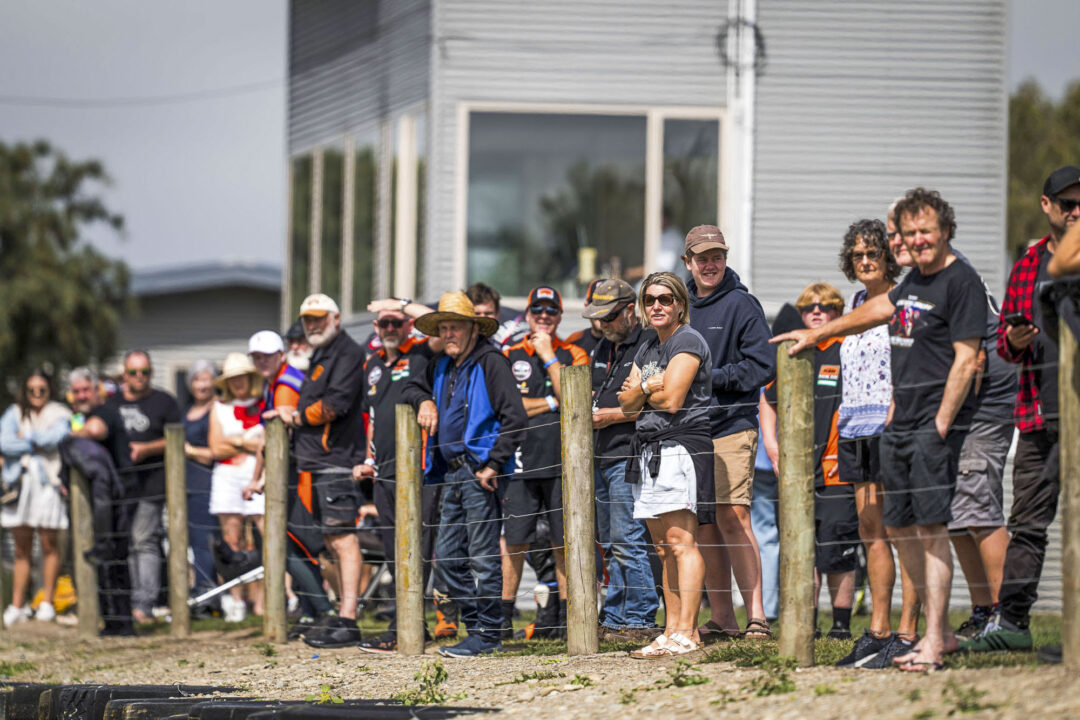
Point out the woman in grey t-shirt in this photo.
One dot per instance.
(668, 389)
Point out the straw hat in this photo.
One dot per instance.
(455, 306)
(237, 364)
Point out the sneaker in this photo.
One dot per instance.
(866, 649)
(471, 646)
(336, 632)
(45, 612)
(973, 626)
(446, 617)
(14, 615)
(1049, 654)
(385, 644)
(884, 659)
(506, 632)
(303, 625)
(233, 610)
(999, 639)
(839, 633)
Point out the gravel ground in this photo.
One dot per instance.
(598, 686)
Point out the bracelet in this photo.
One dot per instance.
(550, 362)
(552, 402)
(369, 461)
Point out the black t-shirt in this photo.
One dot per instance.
(610, 368)
(383, 383)
(1045, 361)
(144, 420)
(540, 453)
(653, 357)
(116, 441)
(828, 385)
(932, 312)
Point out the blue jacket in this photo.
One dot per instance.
(733, 324)
(495, 417)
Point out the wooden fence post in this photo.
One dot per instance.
(82, 539)
(579, 510)
(275, 529)
(176, 506)
(408, 521)
(1069, 393)
(795, 401)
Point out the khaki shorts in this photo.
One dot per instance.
(733, 467)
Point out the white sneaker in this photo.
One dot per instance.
(45, 612)
(292, 605)
(14, 615)
(234, 610)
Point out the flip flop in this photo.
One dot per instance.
(905, 658)
(921, 666)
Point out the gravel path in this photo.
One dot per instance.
(599, 686)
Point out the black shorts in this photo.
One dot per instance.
(335, 502)
(919, 475)
(836, 529)
(860, 459)
(524, 502)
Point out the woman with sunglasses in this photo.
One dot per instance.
(30, 435)
(671, 464)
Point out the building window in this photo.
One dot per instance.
(300, 233)
(691, 165)
(554, 199)
(363, 237)
(331, 236)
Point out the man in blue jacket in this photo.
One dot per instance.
(470, 406)
(733, 324)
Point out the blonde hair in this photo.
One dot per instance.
(825, 293)
(677, 287)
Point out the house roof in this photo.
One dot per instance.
(192, 277)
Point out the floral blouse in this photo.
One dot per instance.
(867, 379)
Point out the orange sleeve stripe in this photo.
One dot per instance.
(285, 396)
(830, 458)
(580, 356)
(316, 414)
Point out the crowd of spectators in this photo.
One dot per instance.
(916, 399)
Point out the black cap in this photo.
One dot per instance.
(295, 332)
(1061, 179)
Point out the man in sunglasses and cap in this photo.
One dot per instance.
(536, 488)
(629, 610)
(469, 404)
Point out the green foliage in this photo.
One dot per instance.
(60, 300)
(325, 697)
(775, 680)
(823, 689)
(430, 676)
(266, 649)
(914, 695)
(965, 700)
(10, 669)
(684, 674)
(1043, 136)
(582, 680)
(627, 698)
(526, 677)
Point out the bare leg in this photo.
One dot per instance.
(513, 564)
(50, 567)
(672, 608)
(20, 578)
(880, 567)
(738, 535)
(560, 571)
(347, 551)
(992, 542)
(717, 577)
(967, 554)
(911, 556)
(842, 589)
(680, 534)
(937, 574)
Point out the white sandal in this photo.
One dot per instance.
(682, 645)
(658, 648)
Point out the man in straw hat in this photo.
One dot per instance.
(327, 441)
(469, 404)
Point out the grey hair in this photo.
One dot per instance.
(201, 366)
(83, 373)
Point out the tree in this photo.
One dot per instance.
(1043, 136)
(60, 299)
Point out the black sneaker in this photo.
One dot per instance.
(973, 626)
(506, 632)
(337, 632)
(884, 659)
(866, 649)
(385, 644)
(301, 627)
(839, 632)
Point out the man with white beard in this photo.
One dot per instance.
(297, 350)
(328, 441)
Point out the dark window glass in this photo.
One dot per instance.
(300, 233)
(690, 185)
(332, 204)
(364, 226)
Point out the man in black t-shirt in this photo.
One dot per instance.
(629, 610)
(936, 318)
(142, 412)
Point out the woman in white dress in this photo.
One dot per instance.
(236, 436)
(34, 499)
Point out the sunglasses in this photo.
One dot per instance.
(613, 315)
(822, 307)
(871, 255)
(548, 310)
(390, 323)
(135, 372)
(665, 300)
(37, 391)
(1066, 205)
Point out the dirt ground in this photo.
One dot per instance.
(598, 686)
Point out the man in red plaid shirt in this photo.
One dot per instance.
(1036, 467)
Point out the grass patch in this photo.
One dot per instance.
(526, 677)
(684, 674)
(10, 669)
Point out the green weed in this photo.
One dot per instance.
(627, 697)
(582, 680)
(325, 697)
(914, 695)
(965, 700)
(7, 669)
(430, 676)
(823, 689)
(684, 674)
(265, 649)
(526, 677)
(775, 679)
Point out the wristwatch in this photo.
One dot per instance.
(296, 418)
(645, 388)
(405, 302)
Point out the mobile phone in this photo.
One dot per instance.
(1016, 319)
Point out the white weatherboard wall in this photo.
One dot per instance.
(600, 52)
(860, 101)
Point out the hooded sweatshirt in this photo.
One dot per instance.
(733, 324)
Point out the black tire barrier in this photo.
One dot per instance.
(156, 708)
(385, 712)
(87, 702)
(19, 701)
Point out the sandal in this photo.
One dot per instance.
(757, 629)
(921, 666)
(711, 633)
(658, 648)
(679, 644)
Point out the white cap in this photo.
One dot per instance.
(318, 305)
(266, 342)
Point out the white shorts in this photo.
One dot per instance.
(227, 483)
(673, 488)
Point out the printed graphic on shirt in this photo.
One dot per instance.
(134, 419)
(400, 370)
(904, 320)
(522, 370)
(650, 369)
(374, 376)
(828, 375)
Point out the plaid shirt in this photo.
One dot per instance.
(1020, 298)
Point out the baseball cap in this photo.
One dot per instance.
(1061, 179)
(592, 288)
(704, 237)
(545, 293)
(295, 332)
(318, 305)
(609, 296)
(266, 342)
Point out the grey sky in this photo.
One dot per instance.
(205, 179)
